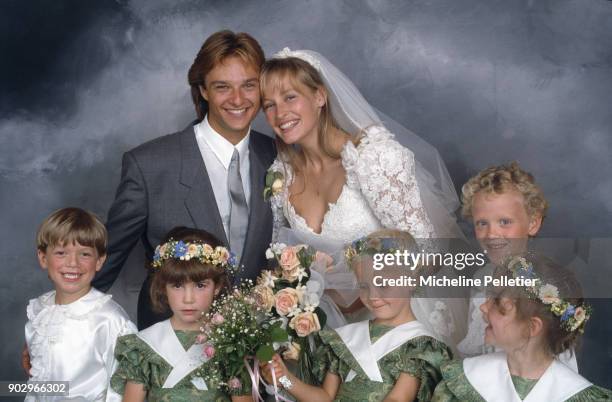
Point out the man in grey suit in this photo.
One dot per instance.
(209, 176)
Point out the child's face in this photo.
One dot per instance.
(501, 224)
(504, 330)
(188, 301)
(390, 305)
(71, 268)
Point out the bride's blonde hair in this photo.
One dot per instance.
(300, 73)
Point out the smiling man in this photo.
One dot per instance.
(209, 176)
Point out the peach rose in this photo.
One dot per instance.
(305, 323)
(289, 260)
(264, 297)
(286, 300)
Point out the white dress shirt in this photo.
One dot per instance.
(217, 154)
(75, 342)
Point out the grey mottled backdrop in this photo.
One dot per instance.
(485, 81)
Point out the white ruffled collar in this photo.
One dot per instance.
(78, 309)
(48, 319)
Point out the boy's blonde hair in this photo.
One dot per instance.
(500, 179)
(70, 225)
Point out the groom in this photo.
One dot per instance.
(209, 176)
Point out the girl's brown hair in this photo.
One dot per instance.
(175, 271)
(558, 339)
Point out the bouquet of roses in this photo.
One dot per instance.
(291, 295)
(233, 330)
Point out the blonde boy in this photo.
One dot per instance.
(71, 331)
(506, 207)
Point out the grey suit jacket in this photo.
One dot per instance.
(164, 183)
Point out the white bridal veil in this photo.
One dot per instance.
(354, 114)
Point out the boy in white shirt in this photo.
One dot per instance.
(71, 331)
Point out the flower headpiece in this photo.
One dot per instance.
(203, 252)
(572, 317)
(300, 54)
(370, 246)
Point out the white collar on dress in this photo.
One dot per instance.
(161, 338)
(356, 338)
(490, 376)
(222, 148)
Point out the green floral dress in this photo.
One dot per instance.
(455, 387)
(419, 357)
(138, 363)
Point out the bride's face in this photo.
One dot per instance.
(293, 110)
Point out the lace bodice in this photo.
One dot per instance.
(380, 191)
(348, 218)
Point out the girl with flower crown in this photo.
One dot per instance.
(533, 325)
(190, 270)
(392, 357)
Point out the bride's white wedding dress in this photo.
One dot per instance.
(388, 185)
(381, 191)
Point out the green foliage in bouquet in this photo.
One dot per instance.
(233, 329)
(290, 295)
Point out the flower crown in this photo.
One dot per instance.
(370, 246)
(572, 317)
(218, 256)
(299, 54)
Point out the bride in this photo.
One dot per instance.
(340, 173)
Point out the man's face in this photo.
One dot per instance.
(232, 92)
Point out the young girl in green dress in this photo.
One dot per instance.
(190, 270)
(533, 323)
(391, 358)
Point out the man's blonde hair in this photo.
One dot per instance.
(501, 179)
(70, 225)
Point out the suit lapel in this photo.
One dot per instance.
(200, 201)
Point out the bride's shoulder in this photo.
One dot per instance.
(374, 141)
(374, 135)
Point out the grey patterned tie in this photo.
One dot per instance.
(239, 211)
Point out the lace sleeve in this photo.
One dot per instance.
(385, 171)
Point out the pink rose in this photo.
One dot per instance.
(209, 351)
(217, 319)
(234, 383)
(289, 260)
(286, 300)
(305, 323)
(201, 338)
